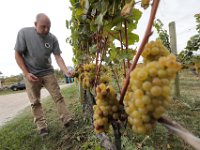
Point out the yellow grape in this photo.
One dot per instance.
(145, 3)
(156, 90)
(106, 107)
(149, 92)
(138, 93)
(146, 85)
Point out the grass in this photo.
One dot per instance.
(21, 134)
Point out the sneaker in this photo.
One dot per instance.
(43, 132)
(68, 122)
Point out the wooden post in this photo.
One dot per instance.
(173, 44)
(0, 80)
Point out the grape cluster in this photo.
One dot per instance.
(153, 51)
(106, 108)
(88, 76)
(77, 71)
(149, 92)
(105, 79)
(145, 3)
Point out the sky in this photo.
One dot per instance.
(16, 14)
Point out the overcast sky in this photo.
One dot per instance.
(16, 14)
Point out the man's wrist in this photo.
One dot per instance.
(26, 74)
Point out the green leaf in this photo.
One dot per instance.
(136, 14)
(99, 20)
(132, 38)
(93, 48)
(79, 12)
(67, 24)
(131, 53)
(126, 54)
(104, 6)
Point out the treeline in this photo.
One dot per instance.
(6, 81)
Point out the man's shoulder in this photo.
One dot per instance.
(26, 29)
(52, 35)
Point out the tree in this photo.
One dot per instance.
(193, 43)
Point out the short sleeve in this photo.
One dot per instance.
(20, 42)
(56, 47)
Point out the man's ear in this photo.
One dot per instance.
(35, 23)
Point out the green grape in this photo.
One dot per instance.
(145, 3)
(105, 80)
(166, 90)
(141, 130)
(156, 90)
(146, 85)
(107, 106)
(146, 100)
(165, 81)
(155, 51)
(114, 108)
(162, 73)
(142, 74)
(138, 93)
(157, 81)
(145, 118)
(137, 122)
(139, 103)
(148, 94)
(136, 114)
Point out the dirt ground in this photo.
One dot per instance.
(12, 104)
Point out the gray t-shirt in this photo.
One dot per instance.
(37, 50)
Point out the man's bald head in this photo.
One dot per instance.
(42, 16)
(42, 24)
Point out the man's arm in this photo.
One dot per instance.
(20, 61)
(61, 64)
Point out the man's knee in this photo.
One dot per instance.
(35, 103)
(59, 99)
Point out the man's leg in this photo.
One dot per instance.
(50, 83)
(33, 91)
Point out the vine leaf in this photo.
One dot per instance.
(99, 20)
(136, 14)
(132, 38)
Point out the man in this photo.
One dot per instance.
(33, 48)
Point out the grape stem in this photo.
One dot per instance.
(101, 60)
(124, 65)
(139, 52)
(115, 76)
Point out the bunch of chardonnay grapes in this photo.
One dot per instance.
(89, 73)
(145, 3)
(105, 79)
(77, 71)
(88, 76)
(153, 51)
(106, 108)
(149, 91)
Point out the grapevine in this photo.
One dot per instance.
(145, 94)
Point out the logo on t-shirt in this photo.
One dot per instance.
(47, 45)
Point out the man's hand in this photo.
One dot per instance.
(31, 77)
(69, 73)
